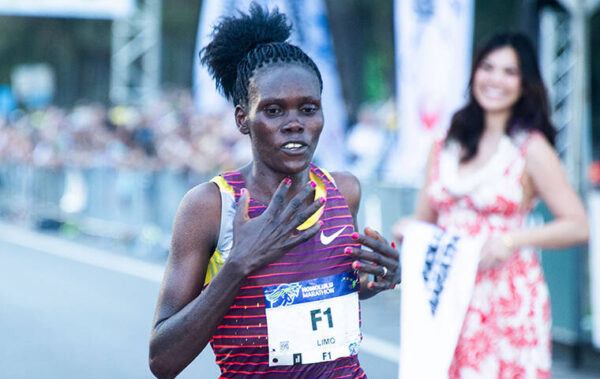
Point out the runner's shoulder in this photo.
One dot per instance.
(202, 197)
(200, 211)
(349, 186)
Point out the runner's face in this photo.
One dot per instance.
(497, 81)
(283, 117)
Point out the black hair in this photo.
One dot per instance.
(242, 44)
(530, 112)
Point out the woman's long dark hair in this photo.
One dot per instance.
(530, 112)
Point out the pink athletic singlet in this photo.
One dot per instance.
(298, 317)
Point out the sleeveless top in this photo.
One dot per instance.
(506, 331)
(241, 344)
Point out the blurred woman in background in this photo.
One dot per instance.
(482, 180)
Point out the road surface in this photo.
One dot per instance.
(73, 311)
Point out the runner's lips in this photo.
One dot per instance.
(294, 147)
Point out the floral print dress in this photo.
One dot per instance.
(506, 331)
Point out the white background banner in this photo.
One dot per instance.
(594, 263)
(433, 55)
(311, 33)
(108, 9)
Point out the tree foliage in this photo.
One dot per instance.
(363, 34)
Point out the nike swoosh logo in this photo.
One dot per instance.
(326, 240)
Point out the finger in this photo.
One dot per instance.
(241, 214)
(366, 267)
(379, 286)
(278, 200)
(370, 232)
(305, 235)
(291, 210)
(301, 217)
(380, 246)
(372, 256)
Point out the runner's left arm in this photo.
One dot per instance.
(382, 258)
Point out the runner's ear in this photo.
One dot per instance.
(241, 119)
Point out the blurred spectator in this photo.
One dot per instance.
(366, 142)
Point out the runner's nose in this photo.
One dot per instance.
(293, 124)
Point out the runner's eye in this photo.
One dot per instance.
(309, 109)
(272, 110)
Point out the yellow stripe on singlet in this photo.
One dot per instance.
(215, 263)
(320, 191)
(222, 184)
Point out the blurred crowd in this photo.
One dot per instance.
(167, 134)
(170, 134)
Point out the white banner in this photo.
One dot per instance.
(311, 33)
(102, 9)
(594, 263)
(433, 55)
(438, 276)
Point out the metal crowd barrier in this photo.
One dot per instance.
(134, 199)
(122, 204)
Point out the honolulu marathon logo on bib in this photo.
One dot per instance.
(313, 320)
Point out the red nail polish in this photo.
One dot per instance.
(371, 285)
(394, 286)
(348, 250)
(354, 236)
(242, 191)
(321, 223)
(313, 184)
(393, 245)
(356, 265)
(288, 180)
(322, 200)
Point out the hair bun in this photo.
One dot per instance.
(235, 36)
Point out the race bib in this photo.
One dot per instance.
(313, 320)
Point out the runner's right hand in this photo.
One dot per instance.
(262, 240)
